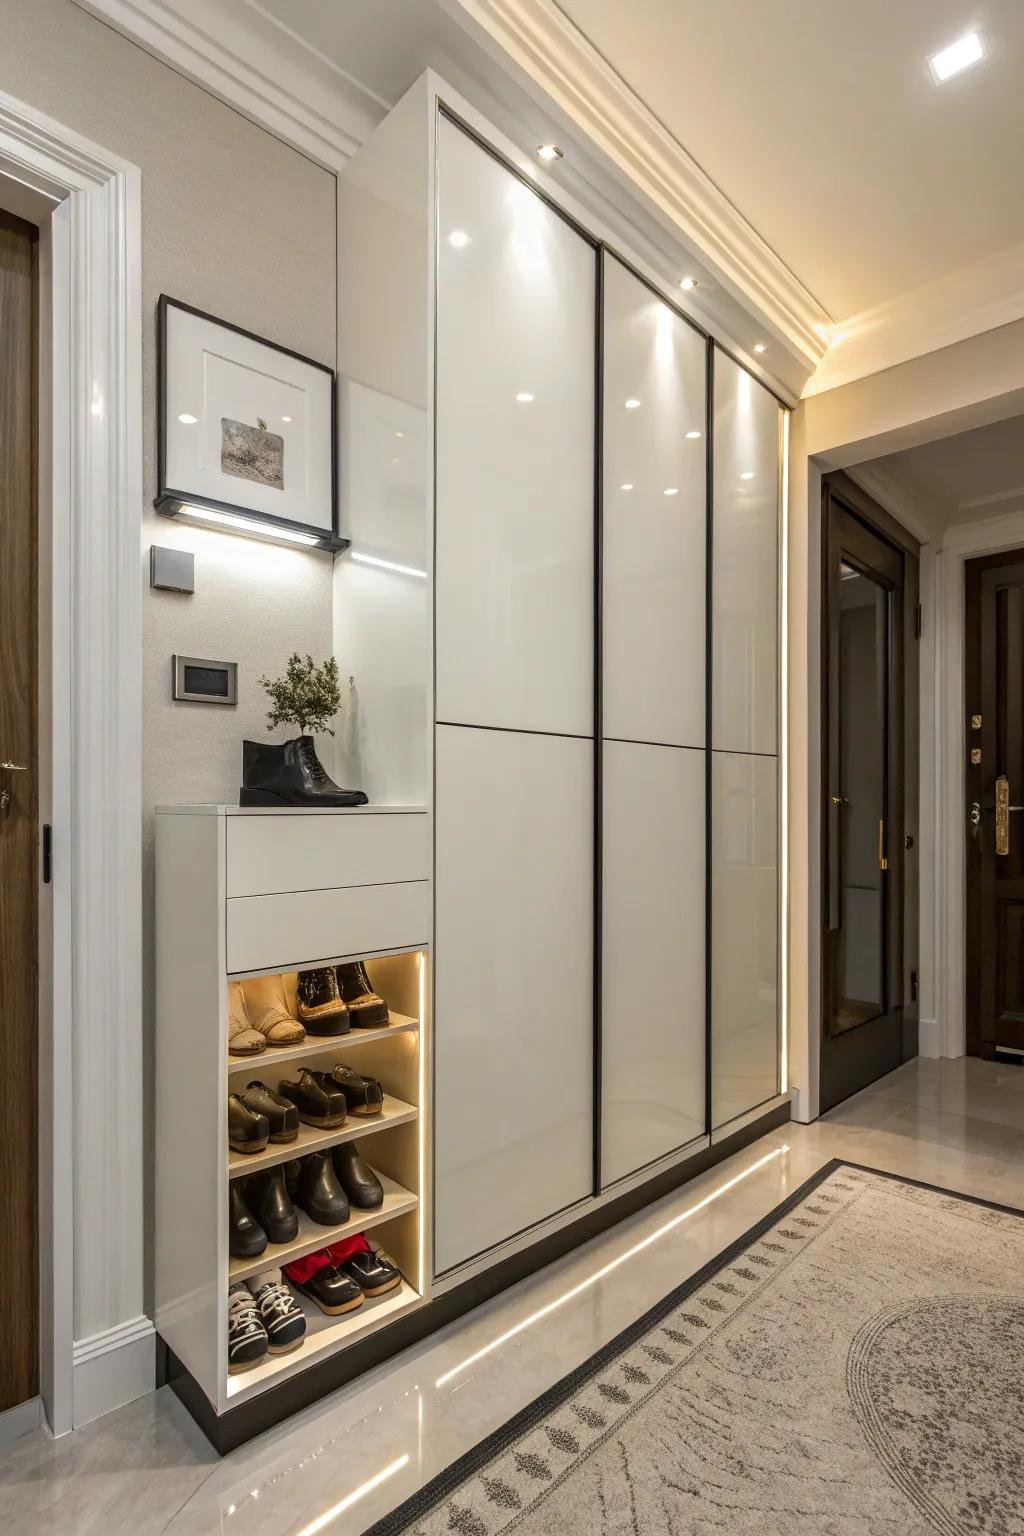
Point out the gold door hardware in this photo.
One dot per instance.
(975, 754)
(5, 794)
(840, 800)
(1002, 815)
(975, 722)
(883, 862)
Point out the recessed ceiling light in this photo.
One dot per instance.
(693, 434)
(286, 418)
(187, 420)
(627, 487)
(632, 405)
(549, 152)
(967, 50)
(748, 474)
(399, 434)
(758, 346)
(688, 283)
(524, 397)
(671, 490)
(459, 239)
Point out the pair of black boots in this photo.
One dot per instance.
(326, 1185)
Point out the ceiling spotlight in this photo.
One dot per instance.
(688, 283)
(185, 419)
(632, 405)
(524, 397)
(748, 474)
(549, 152)
(758, 346)
(967, 50)
(693, 434)
(627, 487)
(286, 418)
(671, 490)
(458, 239)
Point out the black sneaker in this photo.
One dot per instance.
(367, 1009)
(319, 1003)
(247, 1337)
(374, 1273)
(283, 1320)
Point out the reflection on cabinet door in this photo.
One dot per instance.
(652, 1011)
(655, 524)
(744, 934)
(745, 520)
(513, 1066)
(515, 452)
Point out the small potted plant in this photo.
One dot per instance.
(308, 696)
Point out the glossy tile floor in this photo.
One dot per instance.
(344, 1463)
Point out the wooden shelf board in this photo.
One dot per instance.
(319, 1045)
(312, 1236)
(355, 1128)
(324, 1335)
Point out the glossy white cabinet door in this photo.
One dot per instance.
(744, 934)
(652, 1010)
(515, 452)
(745, 520)
(655, 534)
(513, 976)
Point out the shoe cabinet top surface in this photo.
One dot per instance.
(291, 810)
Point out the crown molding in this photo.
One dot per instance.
(987, 294)
(597, 102)
(891, 491)
(248, 59)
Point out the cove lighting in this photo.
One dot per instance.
(335, 1510)
(967, 50)
(549, 152)
(458, 239)
(614, 1264)
(632, 405)
(688, 283)
(248, 525)
(389, 565)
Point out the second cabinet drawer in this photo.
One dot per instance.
(273, 853)
(301, 928)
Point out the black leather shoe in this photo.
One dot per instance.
(247, 1132)
(367, 1009)
(374, 1273)
(320, 1195)
(332, 1291)
(280, 1112)
(268, 1195)
(319, 1003)
(362, 1186)
(246, 1238)
(363, 1095)
(317, 1098)
(290, 773)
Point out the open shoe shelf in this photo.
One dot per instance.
(319, 1045)
(395, 1112)
(312, 1236)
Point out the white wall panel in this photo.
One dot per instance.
(515, 476)
(744, 933)
(513, 1120)
(653, 956)
(745, 560)
(654, 517)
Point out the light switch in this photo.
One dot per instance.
(172, 569)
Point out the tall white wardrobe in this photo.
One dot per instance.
(559, 611)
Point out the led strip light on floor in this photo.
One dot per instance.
(352, 1498)
(606, 1269)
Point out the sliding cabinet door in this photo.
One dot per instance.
(514, 773)
(744, 773)
(653, 1083)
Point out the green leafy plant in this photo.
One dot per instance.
(307, 695)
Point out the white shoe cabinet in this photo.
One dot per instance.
(241, 893)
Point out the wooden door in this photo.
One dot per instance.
(994, 773)
(19, 946)
(869, 778)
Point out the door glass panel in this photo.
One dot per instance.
(863, 703)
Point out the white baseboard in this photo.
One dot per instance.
(20, 1420)
(929, 1038)
(112, 1368)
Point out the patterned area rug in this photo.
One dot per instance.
(853, 1366)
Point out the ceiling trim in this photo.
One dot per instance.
(973, 299)
(248, 59)
(582, 85)
(891, 492)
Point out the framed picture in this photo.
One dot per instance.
(245, 431)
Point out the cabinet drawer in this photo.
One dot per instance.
(301, 928)
(268, 854)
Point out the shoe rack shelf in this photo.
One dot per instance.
(264, 892)
(397, 1201)
(355, 1128)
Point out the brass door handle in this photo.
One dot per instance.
(13, 768)
(1003, 809)
(840, 800)
(883, 862)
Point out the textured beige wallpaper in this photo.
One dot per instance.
(236, 223)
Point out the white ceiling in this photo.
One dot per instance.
(965, 478)
(819, 121)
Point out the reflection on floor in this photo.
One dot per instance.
(344, 1463)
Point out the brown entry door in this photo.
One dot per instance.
(19, 946)
(994, 740)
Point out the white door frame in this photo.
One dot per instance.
(960, 543)
(97, 1346)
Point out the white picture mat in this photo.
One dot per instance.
(213, 372)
